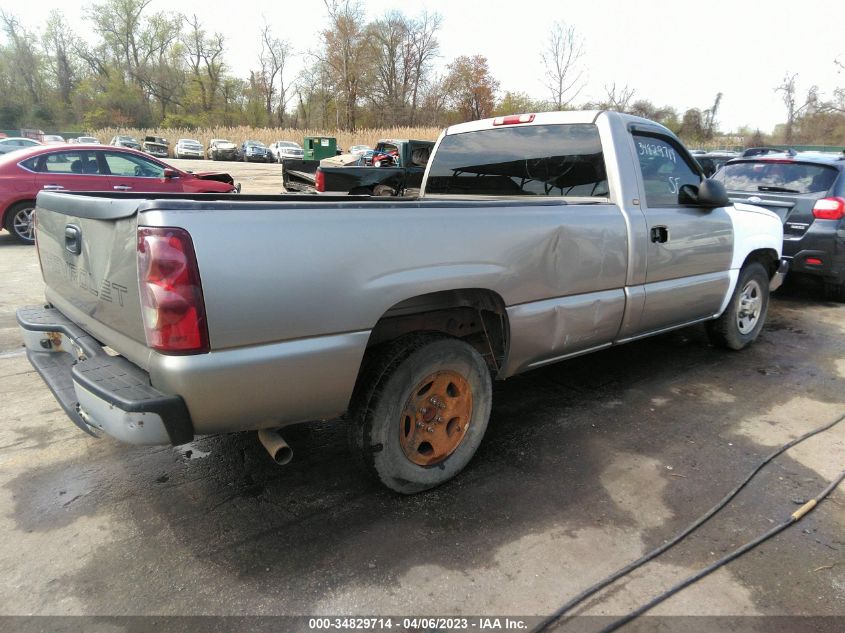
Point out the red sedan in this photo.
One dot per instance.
(25, 172)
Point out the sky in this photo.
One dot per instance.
(676, 53)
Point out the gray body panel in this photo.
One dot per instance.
(522, 251)
(293, 288)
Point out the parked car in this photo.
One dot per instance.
(188, 148)
(807, 191)
(85, 140)
(125, 141)
(285, 149)
(360, 149)
(255, 151)
(14, 143)
(396, 168)
(156, 146)
(25, 173)
(535, 238)
(711, 162)
(52, 139)
(760, 151)
(221, 149)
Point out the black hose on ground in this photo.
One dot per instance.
(794, 518)
(627, 569)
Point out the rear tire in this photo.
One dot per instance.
(420, 411)
(19, 221)
(742, 320)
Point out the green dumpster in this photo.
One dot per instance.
(319, 147)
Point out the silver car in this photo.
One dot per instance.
(15, 143)
(285, 149)
(188, 148)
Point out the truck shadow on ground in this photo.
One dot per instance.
(218, 517)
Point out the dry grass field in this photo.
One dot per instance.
(271, 135)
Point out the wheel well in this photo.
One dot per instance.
(475, 315)
(4, 212)
(768, 257)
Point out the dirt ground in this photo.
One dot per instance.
(587, 464)
(264, 178)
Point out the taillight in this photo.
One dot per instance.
(829, 209)
(171, 294)
(513, 119)
(320, 181)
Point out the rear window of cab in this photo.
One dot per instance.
(777, 177)
(536, 160)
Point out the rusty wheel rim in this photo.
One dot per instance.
(435, 417)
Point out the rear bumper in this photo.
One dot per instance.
(820, 251)
(99, 392)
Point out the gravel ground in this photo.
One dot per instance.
(263, 178)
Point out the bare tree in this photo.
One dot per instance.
(24, 55)
(59, 44)
(710, 117)
(204, 56)
(424, 47)
(274, 55)
(561, 58)
(160, 67)
(790, 100)
(346, 53)
(617, 98)
(118, 22)
(838, 105)
(314, 94)
(391, 69)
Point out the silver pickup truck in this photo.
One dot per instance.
(535, 238)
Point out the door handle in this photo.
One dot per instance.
(122, 188)
(659, 234)
(52, 187)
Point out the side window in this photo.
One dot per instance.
(664, 171)
(70, 163)
(124, 164)
(31, 163)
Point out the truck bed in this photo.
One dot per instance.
(291, 298)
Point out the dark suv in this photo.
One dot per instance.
(807, 191)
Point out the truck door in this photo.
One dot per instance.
(689, 248)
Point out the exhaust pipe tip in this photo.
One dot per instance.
(276, 446)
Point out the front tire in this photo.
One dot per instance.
(420, 411)
(742, 320)
(19, 221)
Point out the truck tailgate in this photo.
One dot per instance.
(87, 247)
